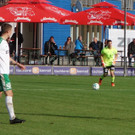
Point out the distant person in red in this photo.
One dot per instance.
(13, 43)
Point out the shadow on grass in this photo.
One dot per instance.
(1, 123)
(74, 117)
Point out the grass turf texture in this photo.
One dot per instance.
(67, 105)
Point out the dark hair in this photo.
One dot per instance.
(5, 28)
(79, 37)
(68, 37)
(109, 41)
(51, 37)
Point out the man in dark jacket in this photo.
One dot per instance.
(13, 43)
(131, 51)
(96, 46)
(49, 50)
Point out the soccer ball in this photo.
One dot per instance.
(95, 86)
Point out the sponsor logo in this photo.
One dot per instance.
(70, 21)
(49, 19)
(73, 71)
(100, 14)
(22, 18)
(2, 19)
(21, 11)
(119, 22)
(35, 70)
(99, 22)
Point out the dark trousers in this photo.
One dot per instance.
(52, 58)
(130, 59)
(97, 58)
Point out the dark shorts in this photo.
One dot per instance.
(111, 68)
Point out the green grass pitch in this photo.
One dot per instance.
(67, 105)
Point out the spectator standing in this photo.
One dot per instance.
(13, 43)
(131, 51)
(49, 50)
(96, 46)
(105, 43)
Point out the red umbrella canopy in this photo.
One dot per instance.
(104, 4)
(102, 13)
(28, 1)
(28, 12)
(39, 1)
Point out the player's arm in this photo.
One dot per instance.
(115, 58)
(22, 67)
(102, 60)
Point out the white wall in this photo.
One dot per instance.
(117, 37)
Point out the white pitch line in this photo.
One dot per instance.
(47, 89)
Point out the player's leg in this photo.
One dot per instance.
(96, 57)
(130, 60)
(1, 88)
(112, 76)
(6, 85)
(105, 70)
(0, 94)
(9, 103)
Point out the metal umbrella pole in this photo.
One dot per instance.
(125, 28)
(17, 43)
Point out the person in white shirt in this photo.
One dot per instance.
(5, 84)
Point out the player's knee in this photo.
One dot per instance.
(105, 74)
(9, 93)
(112, 74)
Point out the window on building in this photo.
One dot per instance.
(130, 4)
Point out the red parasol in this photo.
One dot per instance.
(31, 11)
(26, 11)
(28, 1)
(39, 1)
(102, 13)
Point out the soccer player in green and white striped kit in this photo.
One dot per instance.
(5, 85)
(108, 58)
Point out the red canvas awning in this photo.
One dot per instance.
(28, 1)
(102, 13)
(25, 11)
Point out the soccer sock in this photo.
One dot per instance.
(10, 108)
(102, 77)
(113, 79)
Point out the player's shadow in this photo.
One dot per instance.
(74, 117)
